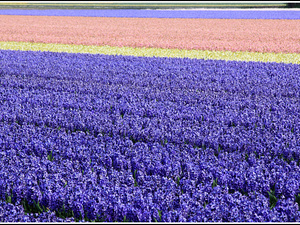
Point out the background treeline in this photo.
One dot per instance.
(134, 5)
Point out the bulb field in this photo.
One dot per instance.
(112, 116)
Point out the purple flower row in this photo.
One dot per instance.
(12, 213)
(133, 13)
(114, 138)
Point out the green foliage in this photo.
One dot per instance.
(246, 157)
(159, 214)
(219, 148)
(125, 220)
(62, 213)
(33, 208)
(272, 198)
(9, 197)
(297, 199)
(134, 177)
(50, 157)
(165, 142)
(243, 192)
(215, 183)
(38, 207)
(218, 152)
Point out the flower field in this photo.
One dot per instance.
(96, 131)
(252, 35)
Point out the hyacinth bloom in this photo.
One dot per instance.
(253, 35)
(95, 133)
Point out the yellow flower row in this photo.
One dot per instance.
(157, 52)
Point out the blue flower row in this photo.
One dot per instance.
(134, 13)
(121, 138)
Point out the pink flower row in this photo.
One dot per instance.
(252, 35)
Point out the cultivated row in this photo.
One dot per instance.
(114, 138)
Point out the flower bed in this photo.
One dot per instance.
(123, 138)
(155, 52)
(287, 14)
(276, 36)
